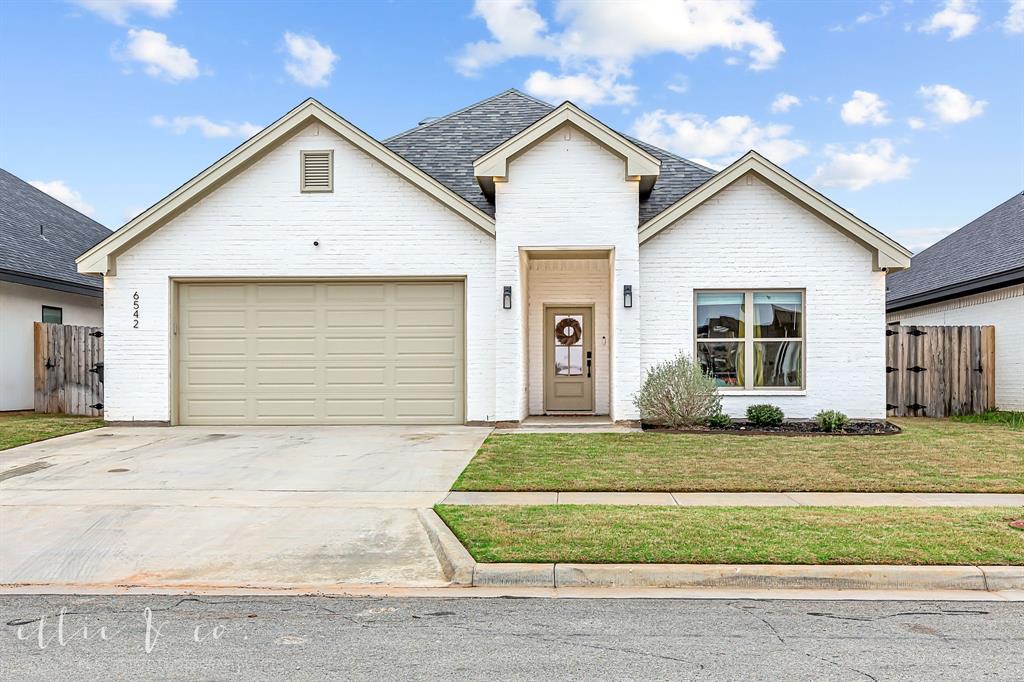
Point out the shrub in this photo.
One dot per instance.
(720, 421)
(831, 420)
(677, 393)
(765, 415)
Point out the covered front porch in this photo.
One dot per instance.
(567, 310)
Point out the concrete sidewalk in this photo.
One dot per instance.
(744, 499)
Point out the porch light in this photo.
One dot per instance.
(627, 296)
(506, 298)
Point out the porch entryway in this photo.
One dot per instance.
(568, 329)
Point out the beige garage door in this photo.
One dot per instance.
(320, 353)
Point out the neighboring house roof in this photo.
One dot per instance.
(446, 148)
(986, 253)
(40, 238)
(888, 254)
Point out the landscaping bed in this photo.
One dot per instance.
(865, 427)
(928, 455)
(738, 535)
(21, 428)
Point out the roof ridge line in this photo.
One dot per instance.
(464, 109)
(672, 154)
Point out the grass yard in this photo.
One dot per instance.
(21, 428)
(738, 535)
(931, 455)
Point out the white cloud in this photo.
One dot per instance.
(951, 105)
(719, 141)
(580, 88)
(957, 16)
(600, 40)
(118, 11)
(915, 123)
(917, 239)
(868, 17)
(159, 57)
(679, 84)
(784, 102)
(864, 107)
(59, 190)
(1014, 22)
(311, 63)
(869, 164)
(207, 128)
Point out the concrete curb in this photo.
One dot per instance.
(631, 576)
(456, 563)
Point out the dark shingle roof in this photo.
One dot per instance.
(446, 148)
(66, 234)
(984, 248)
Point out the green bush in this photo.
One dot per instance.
(677, 394)
(831, 420)
(765, 415)
(720, 421)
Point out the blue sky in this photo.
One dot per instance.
(910, 114)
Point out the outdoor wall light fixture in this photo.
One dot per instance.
(506, 298)
(627, 296)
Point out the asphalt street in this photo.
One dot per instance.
(299, 638)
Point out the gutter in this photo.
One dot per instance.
(974, 286)
(48, 283)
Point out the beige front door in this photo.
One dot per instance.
(323, 352)
(568, 359)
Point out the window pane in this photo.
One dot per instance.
(575, 360)
(723, 361)
(778, 363)
(778, 315)
(719, 315)
(562, 360)
(53, 315)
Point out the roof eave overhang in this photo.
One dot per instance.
(974, 286)
(888, 254)
(31, 280)
(101, 259)
(640, 166)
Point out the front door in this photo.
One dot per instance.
(568, 360)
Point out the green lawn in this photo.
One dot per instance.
(931, 455)
(19, 428)
(738, 535)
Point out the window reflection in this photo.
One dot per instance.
(719, 315)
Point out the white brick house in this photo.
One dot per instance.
(506, 260)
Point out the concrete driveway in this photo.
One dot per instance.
(227, 506)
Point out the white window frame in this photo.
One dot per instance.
(748, 340)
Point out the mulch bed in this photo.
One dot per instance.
(867, 427)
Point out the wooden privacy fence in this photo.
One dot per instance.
(939, 371)
(68, 369)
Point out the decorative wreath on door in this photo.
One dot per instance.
(568, 331)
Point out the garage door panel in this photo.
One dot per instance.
(321, 352)
(356, 318)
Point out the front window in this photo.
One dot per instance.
(751, 339)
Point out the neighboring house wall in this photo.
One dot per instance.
(1003, 308)
(20, 306)
(568, 282)
(567, 191)
(258, 224)
(752, 237)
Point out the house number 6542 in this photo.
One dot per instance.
(135, 310)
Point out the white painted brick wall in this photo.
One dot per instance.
(569, 282)
(570, 193)
(1003, 308)
(260, 225)
(751, 237)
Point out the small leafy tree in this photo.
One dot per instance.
(677, 393)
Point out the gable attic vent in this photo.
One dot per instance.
(316, 172)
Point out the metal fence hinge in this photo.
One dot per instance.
(97, 406)
(915, 369)
(97, 334)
